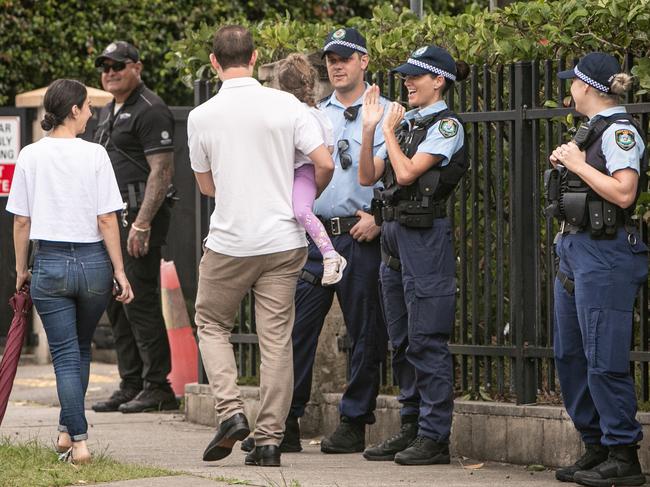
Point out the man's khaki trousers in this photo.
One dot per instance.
(223, 283)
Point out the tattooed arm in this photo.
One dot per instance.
(160, 177)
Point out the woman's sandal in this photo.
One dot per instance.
(67, 457)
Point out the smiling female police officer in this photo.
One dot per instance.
(602, 264)
(425, 159)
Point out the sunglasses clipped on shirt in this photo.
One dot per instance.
(343, 146)
(350, 114)
(116, 67)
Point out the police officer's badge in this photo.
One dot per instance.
(339, 34)
(419, 52)
(448, 127)
(625, 139)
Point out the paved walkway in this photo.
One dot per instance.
(168, 441)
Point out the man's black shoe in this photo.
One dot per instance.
(264, 456)
(234, 429)
(118, 398)
(594, 455)
(424, 451)
(151, 400)
(349, 437)
(387, 449)
(290, 442)
(621, 468)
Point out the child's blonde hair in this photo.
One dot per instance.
(298, 76)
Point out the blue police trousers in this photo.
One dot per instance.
(358, 295)
(593, 334)
(419, 305)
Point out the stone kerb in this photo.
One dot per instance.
(500, 432)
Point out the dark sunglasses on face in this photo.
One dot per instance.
(116, 67)
(345, 158)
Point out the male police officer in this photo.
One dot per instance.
(344, 209)
(137, 129)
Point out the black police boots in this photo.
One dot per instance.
(349, 437)
(424, 451)
(118, 398)
(290, 442)
(621, 468)
(594, 455)
(159, 399)
(387, 449)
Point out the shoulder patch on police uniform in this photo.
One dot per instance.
(625, 139)
(448, 127)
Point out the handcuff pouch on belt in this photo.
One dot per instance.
(419, 204)
(573, 202)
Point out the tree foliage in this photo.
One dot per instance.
(49, 39)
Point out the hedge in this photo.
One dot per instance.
(523, 30)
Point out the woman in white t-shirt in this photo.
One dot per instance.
(298, 77)
(64, 197)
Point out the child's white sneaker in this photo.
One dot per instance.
(333, 270)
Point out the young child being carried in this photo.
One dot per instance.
(297, 76)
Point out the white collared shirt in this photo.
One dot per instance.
(247, 136)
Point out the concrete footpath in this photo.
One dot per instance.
(168, 441)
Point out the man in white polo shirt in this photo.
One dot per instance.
(242, 144)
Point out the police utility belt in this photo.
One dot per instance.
(409, 213)
(573, 202)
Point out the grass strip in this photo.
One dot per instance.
(31, 464)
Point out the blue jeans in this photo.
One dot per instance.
(71, 286)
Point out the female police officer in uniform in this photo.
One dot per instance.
(417, 271)
(602, 264)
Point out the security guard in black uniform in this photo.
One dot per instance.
(593, 189)
(425, 160)
(137, 130)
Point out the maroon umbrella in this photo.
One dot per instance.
(21, 303)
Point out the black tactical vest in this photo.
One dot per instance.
(581, 206)
(438, 182)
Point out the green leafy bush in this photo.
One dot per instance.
(523, 30)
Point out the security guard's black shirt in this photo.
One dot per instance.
(142, 126)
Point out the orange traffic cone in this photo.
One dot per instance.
(179, 330)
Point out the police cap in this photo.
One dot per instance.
(597, 69)
(429, 60)
(345, 42)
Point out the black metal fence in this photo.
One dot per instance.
(504, 332)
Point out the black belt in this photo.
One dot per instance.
(339, 225)
(392, 262)
(567, 283)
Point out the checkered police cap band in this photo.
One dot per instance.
(350, 45)
(589, 81)
(431, 68)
